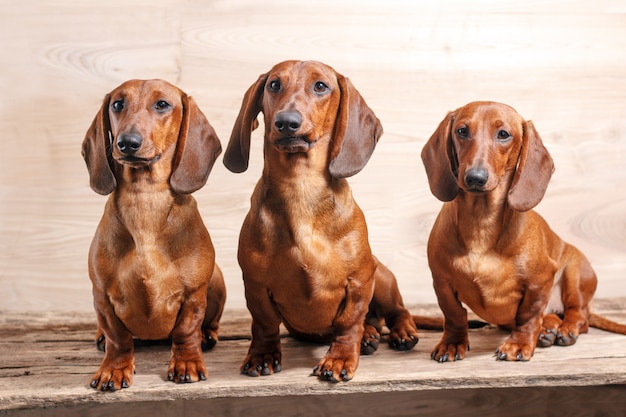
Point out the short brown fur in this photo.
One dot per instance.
(489, 250)
(151, 261)
(303, 247)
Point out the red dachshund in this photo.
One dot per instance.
(151, 262)
(489, 250)
(304, 248)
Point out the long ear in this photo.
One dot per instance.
(96, 151)
(198, 148)
(440, 161)
(237, 152)
(357, 131)
(534, 169)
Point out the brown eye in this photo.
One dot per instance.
(463, 132)
(162, 106)
(320, 87)
(503, 135)
(274, 86)
(117, 106)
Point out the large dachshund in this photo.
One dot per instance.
(151, 262)
(489, 250)
(303, 247)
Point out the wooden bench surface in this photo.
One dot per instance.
(47, 360)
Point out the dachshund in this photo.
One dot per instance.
(303, 247)
(151, 261)
(489, 250)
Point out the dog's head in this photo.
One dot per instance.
(485, 145)
(150, 124)
(308, 108)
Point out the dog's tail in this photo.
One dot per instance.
(602, 323)
(436, 323)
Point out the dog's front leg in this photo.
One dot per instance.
(264, 355)
(186, 361)
(520, 345)
(118, 366)
(342, 359)
(454, 342)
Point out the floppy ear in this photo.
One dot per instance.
(357, 131)
(533, 172)
(440, 161)
(197, 149)
(237, 152)
(96, 151)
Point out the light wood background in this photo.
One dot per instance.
(561, 64)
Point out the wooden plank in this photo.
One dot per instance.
(529, 401)
(46, 360)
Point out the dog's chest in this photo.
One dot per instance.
(487, 285)
(305, 267)
(149, 294)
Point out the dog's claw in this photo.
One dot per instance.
(501, 356)
(265, 369)
(101, 344)
(208, 344)
(370, 342)
(344, 376)
(328, 376)
(568, 340)
(546, 338)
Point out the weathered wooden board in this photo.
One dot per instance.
(46, 361)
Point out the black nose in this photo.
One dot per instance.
(288, 121)
(129, 143)
(476, 178)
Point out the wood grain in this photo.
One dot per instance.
(47, 359)
(561, 64)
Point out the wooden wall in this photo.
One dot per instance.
(560, 63)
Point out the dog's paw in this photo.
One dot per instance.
(370, 340)
(209, 339)
(549, 328)
(335, 369)
(514, 351)
(403, 343)
(403, 336)
(546, 338)
(101, 341)
(566, 336)
(261, 364)
(110, 378)
(186, 367)
(450, 350)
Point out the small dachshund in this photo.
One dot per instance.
(489, 250)
(303, 247)
(151, 261)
